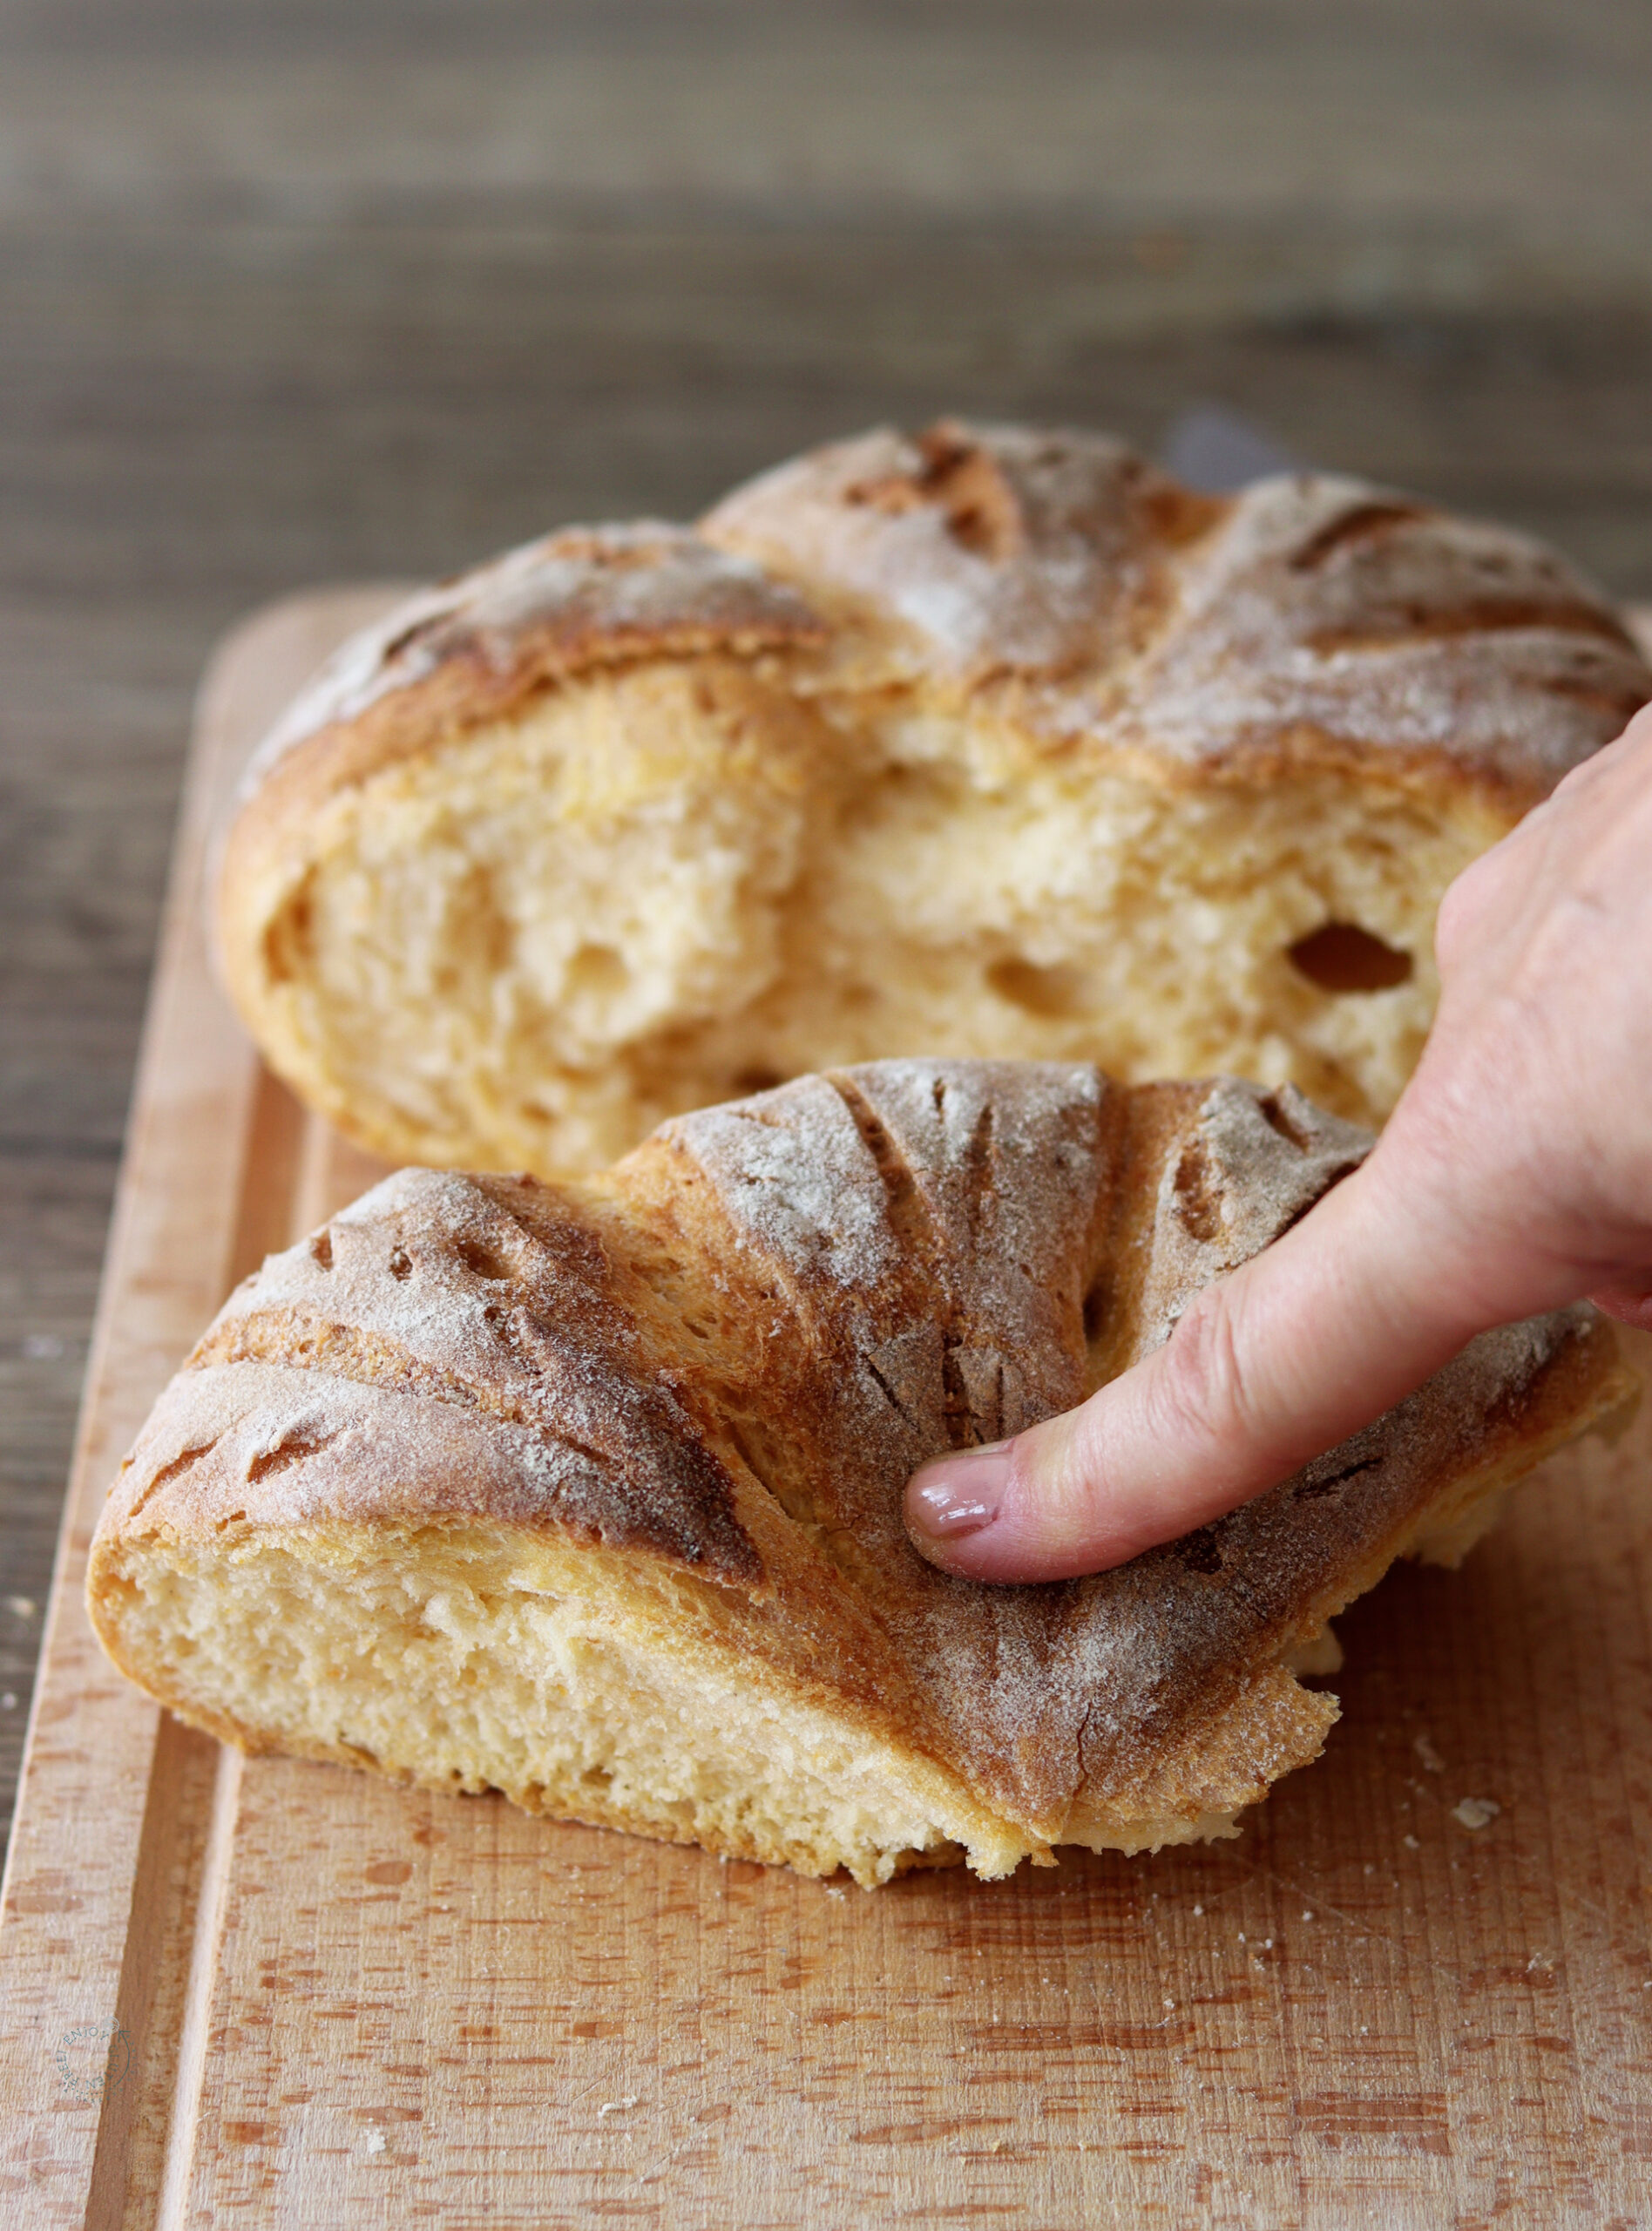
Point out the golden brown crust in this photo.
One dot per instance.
(475, 650)
(470, 650)
(967, 553)
(718, 1364)
(1313, 620)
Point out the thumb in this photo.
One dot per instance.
(1310, 1340)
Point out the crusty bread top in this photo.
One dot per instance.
(974, 550)
(471, 649)
(1053, 577)
(1312, 619)
(726, 1356)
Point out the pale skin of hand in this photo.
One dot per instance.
(1514, 1175)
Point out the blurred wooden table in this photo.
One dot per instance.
(287, 295)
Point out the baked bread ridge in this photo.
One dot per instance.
(1313, 619)
(591, 1492)
(994, 742)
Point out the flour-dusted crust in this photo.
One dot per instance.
(1313, 611)
(683, 1398)
(989, 741)
(473, 649)
(1313, 619)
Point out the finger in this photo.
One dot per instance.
(1311, 1340)
(1630, 1305)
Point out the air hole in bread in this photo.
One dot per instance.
(598, 970)
(1056, 991)
(484, 1261)
(321, 1250)
(1341, 957)
(1198, 1198)
(400, 1262)
(1200, 1551)
(288, 941)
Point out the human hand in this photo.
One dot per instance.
(1514, 1175)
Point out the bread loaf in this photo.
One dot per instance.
(993, 744)
(591, 1492)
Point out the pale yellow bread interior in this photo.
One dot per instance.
(542, 939)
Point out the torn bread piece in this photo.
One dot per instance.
(591, 1493)
(991, 742)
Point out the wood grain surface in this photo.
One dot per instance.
(291, 292)
(1416, 1990)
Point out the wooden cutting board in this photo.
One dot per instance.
(1417, 1989)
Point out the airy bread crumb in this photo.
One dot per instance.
(527, 948)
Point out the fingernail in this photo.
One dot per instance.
(959, 1494)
